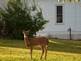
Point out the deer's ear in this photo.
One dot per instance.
(23, 31)
(28, 31)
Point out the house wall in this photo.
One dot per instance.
(3, 3)
(71, 18)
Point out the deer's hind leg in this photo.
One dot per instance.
(42, 48)
(31, 49)
(45, 52)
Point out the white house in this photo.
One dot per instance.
(62, 15)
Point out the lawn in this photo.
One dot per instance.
(58, 50)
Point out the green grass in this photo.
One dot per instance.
(58, 50)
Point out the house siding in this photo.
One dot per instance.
(71, 18)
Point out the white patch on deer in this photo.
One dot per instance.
(24, 36)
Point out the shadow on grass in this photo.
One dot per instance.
(12, 43)
(54, 45)
(69, 46)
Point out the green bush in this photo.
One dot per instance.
(17, 18)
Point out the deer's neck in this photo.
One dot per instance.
(26, 39)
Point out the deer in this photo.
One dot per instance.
(42, 42)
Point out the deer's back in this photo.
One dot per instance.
(39, 41)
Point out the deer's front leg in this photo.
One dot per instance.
(42, 48)
(31, 49)
(45, 52)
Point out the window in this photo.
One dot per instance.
(59, 14)
(60, 0)
(69, 1)
(77, 0)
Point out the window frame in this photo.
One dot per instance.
(58, 15)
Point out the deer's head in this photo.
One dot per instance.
(26, 33)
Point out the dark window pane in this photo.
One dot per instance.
(59, 20)
(59, 10)
(59, 14)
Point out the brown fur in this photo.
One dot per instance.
(36, 41)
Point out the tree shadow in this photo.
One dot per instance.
(68, 46)
(12, 43)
